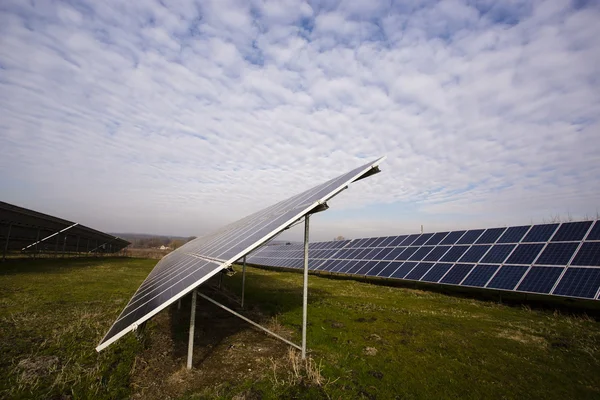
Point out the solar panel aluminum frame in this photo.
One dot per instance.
(368, 170)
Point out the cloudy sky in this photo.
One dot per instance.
(176, 117)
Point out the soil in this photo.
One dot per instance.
(227, 351)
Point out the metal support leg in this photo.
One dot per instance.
(77, 248)
(220, 280)
(6, 244)
(248, 320)
(243, 280)
(56, 246)
(192, 326)
(64, 245)
(305, 286)
(178, 304)
(37, 241)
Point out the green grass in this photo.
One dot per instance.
(52, 315)
(426, 345)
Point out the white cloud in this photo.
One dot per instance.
(180, 117)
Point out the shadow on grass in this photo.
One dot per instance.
(214, 325)
(26, 265)
(571, 306)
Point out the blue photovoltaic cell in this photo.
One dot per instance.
(457, 274)
(525, 254)
(498, 253)
(454, 253)
(480, 275)
(588, 255)
(366, 268)
(384, 252)
(378, 268)
(422, 239)
(436, 253)
(407, 253)
(579, 282)
(410, 239)
(474, 254)
(397, 240)
(436, 238)
(490, 236)
(419, 254)
(507, 277)
(540, 279)
(387, 241)
(379, 242)
(370, 242)
(514, 234)
(404, 269)
(436, 272)
(389, 270)
(353, 269)
(420, 270)
(557, 254)
(595, 232)
(452, 237)
(470, 237)
(344, 266)
(571, 231)
(540, 233)
(394, 253)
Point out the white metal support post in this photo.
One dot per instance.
(6, 244)
(305, 286)
(192, 326)
(243, 280)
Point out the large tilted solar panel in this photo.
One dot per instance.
(186, 268)
(561, 259)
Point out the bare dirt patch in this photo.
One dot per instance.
(523, 337)
(227, 352)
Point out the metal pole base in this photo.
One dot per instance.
(192, 326)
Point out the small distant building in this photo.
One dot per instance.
(163, 247)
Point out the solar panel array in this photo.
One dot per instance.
(21, 227)
(182, 270)
(560, 259)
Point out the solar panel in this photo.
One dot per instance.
(507, 277)
(514, 234)
(457, 273)
(436, 273)
(480, 275)
(474, 254)
(572, 231)
(498, 253)
(490, 236)
(557, 254)
(540, 279)
(525, 253)
(594, 232)
(404, 269)
(419, 270)
(470, 237)
(579, 282)
(588, 255)
(182, 270)
(452, 237)
(539, 259)
(540, 233)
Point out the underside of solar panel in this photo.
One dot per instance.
(184, 269)
(560, 259)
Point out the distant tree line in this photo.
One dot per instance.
(152, 242)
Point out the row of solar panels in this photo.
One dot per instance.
(557, 259)
(20, 228)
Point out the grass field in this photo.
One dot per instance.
(366, 341)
